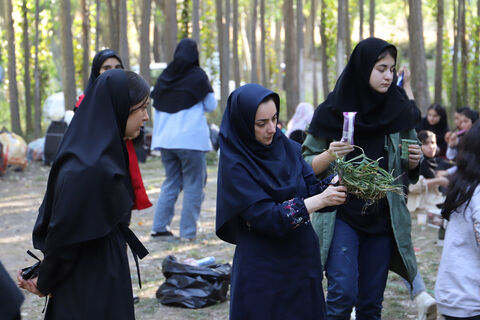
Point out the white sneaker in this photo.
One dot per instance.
(353, 314)
(426, 306)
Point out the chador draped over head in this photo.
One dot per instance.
(245, 162)
(183, 83)
(97, 63)
(89, 190)
(377, 114)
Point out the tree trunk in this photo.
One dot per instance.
(278, 49)
(236, 61)
(223, 45)
(26, 75)
(323, 50)
(170, 28)
(145, 40)
(157, 42)
(348, 34)
(439, 53)
(196, 21)
(360, 23)
(68, 67)
(263, 55)
(417, 55)
(123, 34)
(341, 35)
(476, 79)
(112, 26)
(453, 104)
(300, 51)
(464, 51)
(291, 71)
(36, 76)
(85, 42)
(253, 42)
(372, 18)
(314, 54)
(98, 27)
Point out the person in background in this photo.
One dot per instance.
(299, 122)
(181, 96)
(82, 224)
(265, 195)
(458, 278)
(436, 122)
(457, 121)
(467, 118)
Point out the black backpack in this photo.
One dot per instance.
(54, 135)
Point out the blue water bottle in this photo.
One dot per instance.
(400, 80)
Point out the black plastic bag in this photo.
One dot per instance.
(193, 287)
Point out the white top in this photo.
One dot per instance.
(457, 289)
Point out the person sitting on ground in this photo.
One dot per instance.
(436, 122)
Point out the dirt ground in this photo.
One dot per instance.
(21, 194)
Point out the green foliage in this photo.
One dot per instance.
(185, 19)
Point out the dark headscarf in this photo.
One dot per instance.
(439, 128)
(249, 171)
(97, 63)
(89, 190)
(183, 83)
(377, 114)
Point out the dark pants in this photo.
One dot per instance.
(468, 318)
(357, 270)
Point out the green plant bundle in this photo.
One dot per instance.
(364, 178)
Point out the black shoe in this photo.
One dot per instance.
(161, 234)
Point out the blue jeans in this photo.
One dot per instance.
(184, 169)
(417, 286)
(357, 270)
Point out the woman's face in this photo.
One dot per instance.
(138, 115)
(266, 122)
(110, 63)
(433, 117)
(465, 123)
(382, 74)
(429, 146)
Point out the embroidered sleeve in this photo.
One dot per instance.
(296, 212)
(320, 185)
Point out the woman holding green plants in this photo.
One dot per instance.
(360, 243)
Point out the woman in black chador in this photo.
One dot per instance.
(265, 195)
(82, 226)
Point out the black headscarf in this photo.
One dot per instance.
(89, 190)
(183, 83)
(249, 171)
(97, 63)
(439, 128)
(377, 114)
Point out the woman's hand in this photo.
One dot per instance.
(414, 155)
(338, 149)
(29, 285)
(332, 196)
(406, 81)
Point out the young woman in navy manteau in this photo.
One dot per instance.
(265, 195)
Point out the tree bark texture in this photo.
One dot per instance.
(371, 18)
(341, 35)
(68, 67)
(323, 50)
(453, 97)
(464, 51)
(361, 18)
(196, 21)
(236, 60)
(253, 42)
(170, 28)
(300, 51)
(314, 55)
(439, 52)
(291, 72)
(85, 42)
(123, 34)
(26, 74)
(36, 76)
(263, 55)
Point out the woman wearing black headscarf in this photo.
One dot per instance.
(358, 249)
(436, 122)
(82, 225)
(264, 196)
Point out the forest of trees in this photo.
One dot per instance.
(295, 47)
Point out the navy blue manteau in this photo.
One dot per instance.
(277, 273)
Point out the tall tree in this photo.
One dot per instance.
(341, 35)
(280, 76)
(263, 55)
(196, 21)
(223, 45)
(236, 60)
(123, 33)
(12, 67)
(314, 54)
(323, 49)
(439, 52)
(464, 51)
(360, 21)
(348, 34)
(453, 97)
(185, 19)
(26, 74)
(36, 75)
(417, 55)
(170, 28)
(476, 64)
(300, 51)
(68, 68)
(145, 40)
(98, 27)
(85, 42)
(113, 31)
(291, 72)
(253, 42)
(371, 18)
(157, 49)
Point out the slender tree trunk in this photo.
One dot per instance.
(314, 55)
(253, 42)
(123, 34)
(348, 34)
(372, 18)
(196, 21)
(361, 17)
(417, 55)
(263, 55)
(453, 98)
(476, 85)
(98, 27)
(341, 35)
(157, 42)
(68, 67)
(112, 26)
(291, 72)
(300, 51)
(170, 28)
(85, 42)
(439, 53)
(236, 61)
(145, 40)
(278, 49)
(36, 76)
(223, 45)
(26, 75)
(464, 51)
(323, 50)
